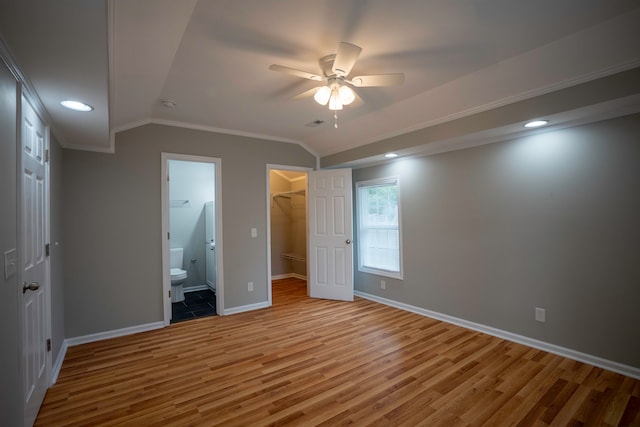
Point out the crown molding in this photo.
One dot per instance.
(27, 89)
(193, 126)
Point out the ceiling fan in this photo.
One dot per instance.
(337, 90)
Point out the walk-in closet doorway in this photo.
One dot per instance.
(287, 229)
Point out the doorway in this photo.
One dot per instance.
(287, 224)
(192, 237)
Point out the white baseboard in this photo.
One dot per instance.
(243, 308)
(196, 288)
(289, 276)
(55, 369)
(113, 334)
(610, 365)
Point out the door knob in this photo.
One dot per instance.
(348, 242)
(33, 286)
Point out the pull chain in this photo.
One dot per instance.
(335, 118)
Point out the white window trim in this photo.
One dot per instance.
(379, 271)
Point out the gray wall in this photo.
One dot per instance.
(195, 182)
(550, 221)
(10, 396)
(112, 223)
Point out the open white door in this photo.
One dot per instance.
(210, 245)
(36, 362)
(330, 235)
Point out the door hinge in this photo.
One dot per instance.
(168, 236)
(46, 156)
(169, 293)
(49, 344)
(167, 178)
(47, 249)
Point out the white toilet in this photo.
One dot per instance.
(178, 275)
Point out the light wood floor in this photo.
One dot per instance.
(316, 362)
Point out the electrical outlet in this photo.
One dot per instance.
(254, 232)
(250, 286)
(541, 315)
(383, 284)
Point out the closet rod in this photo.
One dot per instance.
(293, 257)
(289, 193)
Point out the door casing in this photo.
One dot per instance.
(30, 408)
(271, 167)
(166, 275)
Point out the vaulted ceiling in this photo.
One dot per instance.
(212, 58)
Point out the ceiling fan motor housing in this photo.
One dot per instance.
(326, 65)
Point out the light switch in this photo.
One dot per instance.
(10, 263)
(254, 232)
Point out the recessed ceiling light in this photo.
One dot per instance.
(536, 123)
(390, 155)
(76, 105)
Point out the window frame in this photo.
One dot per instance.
(367, 269)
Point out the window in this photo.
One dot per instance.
(378, 219)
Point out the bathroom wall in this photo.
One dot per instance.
(191, 185)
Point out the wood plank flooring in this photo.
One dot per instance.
(315, 362)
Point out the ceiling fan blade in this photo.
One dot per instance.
(294, 72)
(345, 58)
(378, 80)
(306, 93)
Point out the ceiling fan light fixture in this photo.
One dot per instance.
(346, 95)
(338, 91)
(335, 103)
(322, 95)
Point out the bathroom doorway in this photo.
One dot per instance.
(287, 224)
(192, 237)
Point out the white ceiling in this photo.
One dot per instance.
(212, 58)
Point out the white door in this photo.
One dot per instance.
(36, 362)
(210, 245)
(330, 235)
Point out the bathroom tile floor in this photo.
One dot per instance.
(196, 304)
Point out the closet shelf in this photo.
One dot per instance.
(293, 257)
(288, 194)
